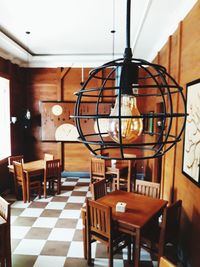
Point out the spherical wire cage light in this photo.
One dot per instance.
(134, 114)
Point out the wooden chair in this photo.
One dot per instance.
(19, 158)
(147, 188)
(98, 171)
(48, 157)
(155, 236)
(165, 263)
(21, 181)
(5, 246)
(98, 189)
(52, 175)
(121, 179)
(100, 227)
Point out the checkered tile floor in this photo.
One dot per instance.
(48, 232)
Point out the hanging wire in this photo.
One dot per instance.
(27, 45)
(113, 32)
(82, 76)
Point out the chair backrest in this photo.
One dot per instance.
(5, 246)
(48, 156)
(19, 158)
(5, 210)
(171, 222)
(98, 189)
(147, 188)
(97, 169)
(52, 168)
(99, 219)
(165, 263)
(19, 172)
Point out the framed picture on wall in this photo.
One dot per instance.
(191, 147)
(57, 124)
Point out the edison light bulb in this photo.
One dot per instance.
(131, 128)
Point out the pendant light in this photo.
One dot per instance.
(128, 95)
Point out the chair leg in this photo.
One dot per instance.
(89, 260)
(110, 256)
(59, 186)
(45, 190)
(8, 252)
(39, 191)
(133, 242)
(84, 233)
(129, 249)
(24, 193)
(84, 242)
(113, 185)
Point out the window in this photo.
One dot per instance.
(5, 144)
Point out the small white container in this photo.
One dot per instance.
(121, 207)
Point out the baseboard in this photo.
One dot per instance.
(75, 174)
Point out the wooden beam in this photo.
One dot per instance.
(64, 72)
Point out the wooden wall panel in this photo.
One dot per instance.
(17, 100)
(72, 82)
(190, 63)
(185, 67)
(185, 189)
(76, 157)
(173, 56)
(42, 84)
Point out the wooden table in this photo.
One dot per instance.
(119, 168)
(140, 211)
(31, 169)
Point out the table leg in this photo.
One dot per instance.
(84, 232)
(28, 187)
(129, 177)
(137, 249)
(118, 179)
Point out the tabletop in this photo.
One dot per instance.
(31, 166)
(139, 209)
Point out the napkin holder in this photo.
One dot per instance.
(121, 207)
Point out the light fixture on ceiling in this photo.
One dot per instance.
(82, 76)
(27, 45)
(134, 89)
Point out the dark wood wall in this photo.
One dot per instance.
(181, 57)
(18, 104)
(54, 85)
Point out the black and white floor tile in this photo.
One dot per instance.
(48, 232)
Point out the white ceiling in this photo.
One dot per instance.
(77, 32)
